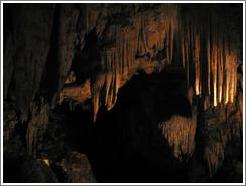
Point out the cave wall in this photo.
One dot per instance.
(87, 52)
(126, 38)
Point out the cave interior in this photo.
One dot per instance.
(122, 93)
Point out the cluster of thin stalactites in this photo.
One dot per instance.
(209, 55)
(216, 71)
(180, 134)
(133, 47)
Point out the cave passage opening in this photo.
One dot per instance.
(126, 143)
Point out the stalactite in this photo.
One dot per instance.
(131, 47)
(222, 57)
(214, 54)
(105, 88)
(196, 58)
(231, 64)
(183, 52)
(220, 76)
(209, 62)
(180, 134)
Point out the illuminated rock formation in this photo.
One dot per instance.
(60, 56)
(130, 46)
(215, 72)
(145, 39)
(180, 134)
(209, 56)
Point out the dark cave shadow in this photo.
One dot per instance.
(126, 144)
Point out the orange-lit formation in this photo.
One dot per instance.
(132, 46)
(206, 48)
(180, 133)
(221, 72)
(155, 89)
(208, 55)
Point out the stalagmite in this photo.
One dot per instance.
(37, 125)
(214, 155)
(10, 121)
(218, 138)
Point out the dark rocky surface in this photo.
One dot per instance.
(122, 93)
